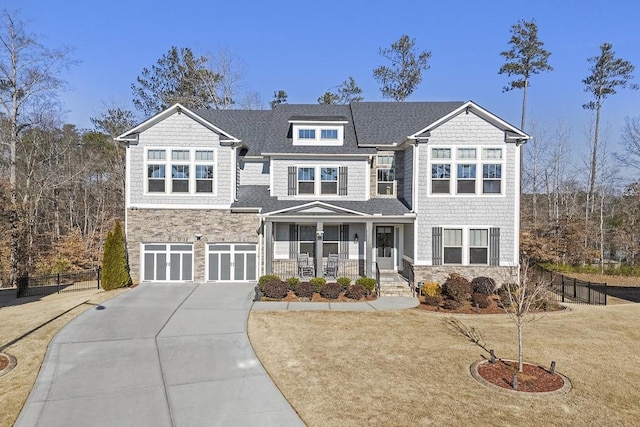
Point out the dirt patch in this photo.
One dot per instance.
(532, 379)
(4, 362)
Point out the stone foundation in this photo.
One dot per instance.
(182, 225)
(439, 273)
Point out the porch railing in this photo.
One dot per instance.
(285, 268)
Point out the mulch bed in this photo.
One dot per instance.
(291, 297)
(4, 361)
(534, 379)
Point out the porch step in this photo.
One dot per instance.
(394, 285)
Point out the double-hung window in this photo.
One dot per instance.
(478, 246)
(180, 171)
(306, 180)
(441, 171)
(156, 171)
(452, 245)
(386, 175)
(204, 171)
(491, 172)
(328, 180)
(466, 171)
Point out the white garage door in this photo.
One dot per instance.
(167, 262)
(232, 262)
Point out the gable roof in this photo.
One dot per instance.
(132, 134)
(511, 131)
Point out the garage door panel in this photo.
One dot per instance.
(251, 266)
(238, 266)
(213, 266)
(225, 266)
(149, 266)
(161, 266)
(187, 266)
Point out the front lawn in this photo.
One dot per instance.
(408, 368)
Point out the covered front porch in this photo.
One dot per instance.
(330, 242)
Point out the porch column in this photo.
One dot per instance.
(319, 241)
(268, 247)
(368, 251)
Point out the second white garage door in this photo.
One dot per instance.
(232, 262)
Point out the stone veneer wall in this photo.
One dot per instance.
(181, 225)
(440, 273)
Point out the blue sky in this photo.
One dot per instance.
(307, 48)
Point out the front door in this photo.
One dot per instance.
(384, 247)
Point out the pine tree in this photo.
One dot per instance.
(115, 271)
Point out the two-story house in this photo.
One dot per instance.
(420, 188)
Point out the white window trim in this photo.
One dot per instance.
(317, 182)
(318, 140)
(454, 161)
(466, 234)
(192, 162)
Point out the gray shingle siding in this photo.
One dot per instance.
(180, 131)
(478, 210)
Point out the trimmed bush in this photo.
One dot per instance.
(304, 290)
(318, 282)
(484, 285)
(431, 289)
(355, 292)
(451, 304)
(115, 270)
(276, 289)
(457, 288)
(262, 281)
(367, 283)
(344, 282)
(292, 282)
(480, 299)
(331, 291)
(433, 300)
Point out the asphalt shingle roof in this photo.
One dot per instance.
(382, 123)
(257, 196)
(391, 122)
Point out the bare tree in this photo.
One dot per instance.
(522, 300)
(631, 141)
(29, 72)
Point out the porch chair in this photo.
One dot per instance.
(304, 268)
(331, 270)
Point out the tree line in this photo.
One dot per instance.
(62, 188)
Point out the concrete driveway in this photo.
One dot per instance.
(160, 355)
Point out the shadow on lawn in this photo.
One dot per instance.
(628, 293)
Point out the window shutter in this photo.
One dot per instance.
(293, 241)
(344, 241)
(494, 246)
(436, 245)
(292, 181)
(342, 181)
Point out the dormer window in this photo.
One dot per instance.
(329, 134)
(318, 131)
(306, 134)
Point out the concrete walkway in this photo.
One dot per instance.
(160, 355)
(380, 304)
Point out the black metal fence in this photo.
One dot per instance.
(61, 282)
(569, 289)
